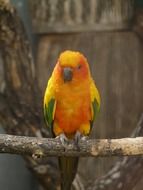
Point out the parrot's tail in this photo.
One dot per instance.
(68, 169)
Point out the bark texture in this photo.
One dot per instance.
(44, 147)
(20, 113)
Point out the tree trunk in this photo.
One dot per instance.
(20, 112)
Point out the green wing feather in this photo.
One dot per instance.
(49, 106)
(95, 102)
(95, 108)
(48, 112)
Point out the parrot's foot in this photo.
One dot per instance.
(64, 140)
(77, 138)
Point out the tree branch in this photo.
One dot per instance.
(43, 147)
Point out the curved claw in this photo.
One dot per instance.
(64, 140)
(77, 137)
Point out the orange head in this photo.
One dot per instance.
(72, 66)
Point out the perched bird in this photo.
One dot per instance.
(71, 104)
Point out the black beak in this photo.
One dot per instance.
(67, 74)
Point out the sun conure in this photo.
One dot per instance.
(71, 103)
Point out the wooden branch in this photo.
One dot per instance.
(43, 147)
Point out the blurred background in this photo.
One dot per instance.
(110, 34)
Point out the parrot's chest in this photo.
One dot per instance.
(72, 108)
(72, 99)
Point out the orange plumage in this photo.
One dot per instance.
(73, 99)
(71, 103)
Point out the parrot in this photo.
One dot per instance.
(71, 104)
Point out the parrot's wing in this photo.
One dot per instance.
(49, 105)
(95, 102)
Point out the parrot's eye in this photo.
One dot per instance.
(79, 67)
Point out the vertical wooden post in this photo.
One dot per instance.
(80, 15)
